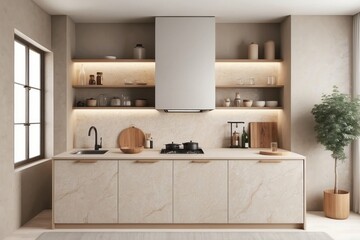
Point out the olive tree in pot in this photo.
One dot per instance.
(337, 124)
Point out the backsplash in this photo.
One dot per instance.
(209, 129)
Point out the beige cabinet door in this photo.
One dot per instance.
(266, 191)
(200, 191)
(85, 191)
(145, 191)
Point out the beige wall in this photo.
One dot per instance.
(63, 45)
(96, 40)
(284, 123)
(233, 39)
(321, 49)
(19, 191)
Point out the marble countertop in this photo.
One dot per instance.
(209, 153)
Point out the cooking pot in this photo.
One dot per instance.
(172, 146)
(191, 145)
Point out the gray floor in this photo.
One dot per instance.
(184, 236)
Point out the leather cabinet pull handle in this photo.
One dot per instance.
(146, 161)
(270, 161)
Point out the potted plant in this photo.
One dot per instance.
(337, 124)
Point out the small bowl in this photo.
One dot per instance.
(140, 102)
(259, 104)
(247, 102)
(271, 103)
(131, 150)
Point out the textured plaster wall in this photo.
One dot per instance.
(21, 195)
(321, 53)
(63, 45)
(209, 129)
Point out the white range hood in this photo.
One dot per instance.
(185, 64)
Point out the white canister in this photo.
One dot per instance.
(253, 51)
(139, 51)
(91, 102)
(115, 102)
(269, 49)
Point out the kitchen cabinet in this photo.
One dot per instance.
(266, 191)
(145, 191)
(200, 191)
(85, 191)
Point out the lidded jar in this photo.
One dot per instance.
(99, 78)
(92, 80)
(139, 51)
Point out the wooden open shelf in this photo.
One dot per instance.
(113, 86)
(249, 86)
(112, 60)
(248, 60)
(89, 108)
(249, 108)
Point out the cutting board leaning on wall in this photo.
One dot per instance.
(262, 134)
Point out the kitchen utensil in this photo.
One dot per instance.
(131, 150)
(262, 134)
(139, 51)
(191, 145)
(140, 102)
(91, 102)
(131, 137)
(247, 102)
(172, 146)
(115, 102)
(271, 80)
(102, 100)
(232, 145)
(227, 102)
(274, 146)
(259, 104)
(271, 103)
(237, 100)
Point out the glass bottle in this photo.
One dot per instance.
(244, 139)
(92, 80)
(99, 78)
(81, 77)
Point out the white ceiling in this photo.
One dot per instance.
(256, 11)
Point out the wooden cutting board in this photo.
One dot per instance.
(131, 137)
(262, 134)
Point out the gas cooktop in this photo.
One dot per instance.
(181, 151)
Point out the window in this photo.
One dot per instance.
(28, 102)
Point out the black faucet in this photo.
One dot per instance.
(97, 147)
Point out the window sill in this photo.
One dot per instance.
(32, 164)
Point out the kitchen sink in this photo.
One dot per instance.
(81, 152)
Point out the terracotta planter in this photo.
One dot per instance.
(336, 206)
